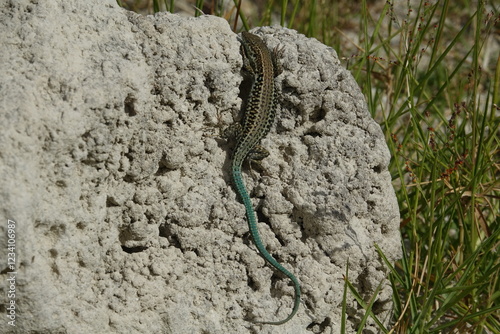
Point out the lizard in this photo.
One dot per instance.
(258, 117)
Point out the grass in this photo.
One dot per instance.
(425, 82)
(431, 77)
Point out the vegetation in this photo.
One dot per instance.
(430, 71)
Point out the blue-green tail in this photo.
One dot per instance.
(252, 224)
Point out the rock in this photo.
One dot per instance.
(125, 218)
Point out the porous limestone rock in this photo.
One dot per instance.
(112, 168)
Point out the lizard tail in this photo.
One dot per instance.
(252, 224)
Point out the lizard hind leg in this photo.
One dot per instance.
(232, 131)
(256, 156)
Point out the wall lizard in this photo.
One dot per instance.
(258, 118)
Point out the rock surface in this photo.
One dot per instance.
(112, 168)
